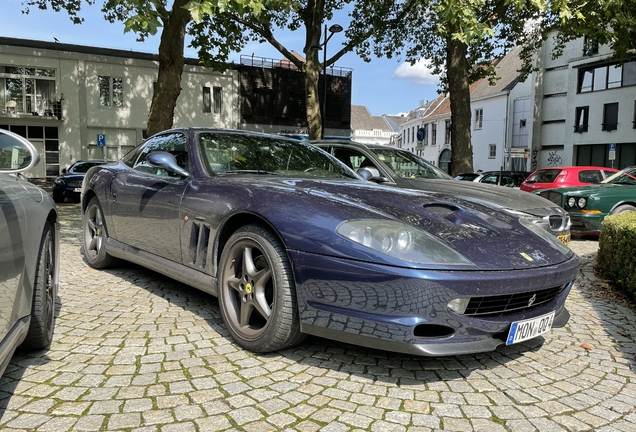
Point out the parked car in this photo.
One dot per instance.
(69, 183)
(511, 179)
(293, 243)
(589, 205)
(29, 253)
(570, 176)
(399, 168)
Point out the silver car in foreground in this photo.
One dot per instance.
(29, 252)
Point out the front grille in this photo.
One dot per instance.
(553, 196)
(556, 222)
(75, 183)
(493, 306)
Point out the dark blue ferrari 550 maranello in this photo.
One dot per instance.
(293, 242)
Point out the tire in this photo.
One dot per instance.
(257, 295)
(40, 334)
(95, 235)
(623, 208)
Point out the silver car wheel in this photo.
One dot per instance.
(95, 236)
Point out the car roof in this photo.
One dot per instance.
(351, 143)
(576, 167)
(494, 172)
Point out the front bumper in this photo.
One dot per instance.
(63, 191)
(405, 310)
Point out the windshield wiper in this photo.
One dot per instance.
(261, 172)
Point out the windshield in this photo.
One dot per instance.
(233, 153)
(407, 165)
(82, 167)
(626, 176)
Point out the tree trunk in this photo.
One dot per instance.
(314, 118)
(313, 17)
(459, 89)
(171, 60)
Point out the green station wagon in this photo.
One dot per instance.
(588, 205)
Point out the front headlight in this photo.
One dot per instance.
(531, 223)
(571, 202)
(582, 202)
(400, 241)
(60, 181)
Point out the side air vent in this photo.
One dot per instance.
(199, 243)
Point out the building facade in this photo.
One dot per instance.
(370, 129)
(78, 103)
(501, 122)
(272, 98)
(585, 105)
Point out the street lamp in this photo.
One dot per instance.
(335, 28)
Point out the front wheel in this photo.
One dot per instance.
(95, 236)
(256, 291)
(40, 334)
(623, 208)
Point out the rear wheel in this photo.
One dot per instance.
(95, 236)
(256, 291)
(623, 208)
(40, 333)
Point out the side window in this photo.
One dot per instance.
(491, 179)
(590, 176)
(174, 143)
(606, 174)
(354, 159)
(508, 181)
(131, 157)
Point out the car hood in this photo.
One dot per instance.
(307, 213)
(491, 195)
(589, 190)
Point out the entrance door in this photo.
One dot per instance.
(444, 161)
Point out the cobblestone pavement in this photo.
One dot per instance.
(136, 351)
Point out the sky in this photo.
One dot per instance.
(384, 86)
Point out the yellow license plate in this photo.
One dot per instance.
(565, 238)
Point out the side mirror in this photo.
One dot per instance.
(17, 154)
(63, 170)
(372, 174)
(165, 160)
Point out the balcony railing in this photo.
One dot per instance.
(269, 63)
(50, 109)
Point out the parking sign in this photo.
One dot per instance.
(101, 140)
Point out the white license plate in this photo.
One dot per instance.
(528, 329)
(77, 190)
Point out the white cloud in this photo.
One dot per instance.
(419, 73)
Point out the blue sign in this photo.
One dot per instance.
(613, 147)
(421, 134)
(101, 140)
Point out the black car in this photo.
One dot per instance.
(29, 252)
(395, 167)
(69, 184)
(512, 179)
